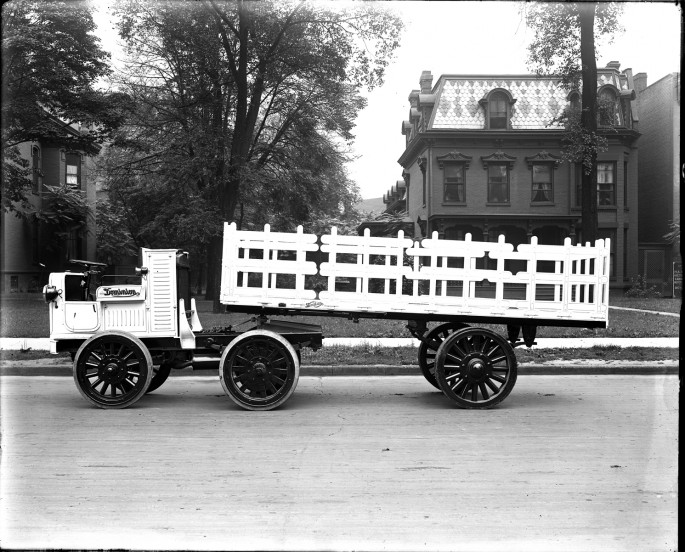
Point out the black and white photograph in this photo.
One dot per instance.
(340, 275)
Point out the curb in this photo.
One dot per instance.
(29, 368)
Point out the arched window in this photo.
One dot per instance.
(574, 101)
(497, 106)
(607, 108)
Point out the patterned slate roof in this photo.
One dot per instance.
(538, 101)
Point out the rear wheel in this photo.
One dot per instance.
(429, 349)
(113, 370)
(160, 374)
(259, 370)
(476, 368)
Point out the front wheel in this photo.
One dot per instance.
(476, 368)
(259, 370)
(113, 370)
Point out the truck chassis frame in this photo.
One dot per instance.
(137, 334)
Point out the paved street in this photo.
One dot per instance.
(371, 463)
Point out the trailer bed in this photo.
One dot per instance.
(427, 280)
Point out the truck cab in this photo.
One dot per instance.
(150, 304)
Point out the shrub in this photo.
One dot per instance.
(639, 288)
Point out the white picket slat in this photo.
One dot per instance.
(397, 274)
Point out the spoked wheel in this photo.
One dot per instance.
(259, 370)
(429, 349)
(113, 370)
(476, 368)
(160, 374)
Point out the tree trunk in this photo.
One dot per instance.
(589, 121)
(228, 200)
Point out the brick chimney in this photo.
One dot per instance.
(640, 81)
(426, 82)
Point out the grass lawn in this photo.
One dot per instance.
(368, 355)
(28, 317)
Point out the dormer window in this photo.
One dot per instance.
(608, 112)
(497, 111)
(497, 105)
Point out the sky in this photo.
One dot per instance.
(458, 37)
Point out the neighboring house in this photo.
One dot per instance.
(659, 178)
(25, 244)
(483, 156)
(392, 208)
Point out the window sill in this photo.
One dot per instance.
(500, 204)
(599, 208)
(454, 204)
(542, 204)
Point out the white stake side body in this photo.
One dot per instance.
(369, 275)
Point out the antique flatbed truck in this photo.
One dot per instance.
(126, 337)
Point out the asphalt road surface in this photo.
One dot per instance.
(365, 463)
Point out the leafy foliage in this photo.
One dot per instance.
(673, 235)
(51, 61)
(564, 47)
(65, 210)
(580, 143)
(556, 46)
(247, 107)
(640, 288)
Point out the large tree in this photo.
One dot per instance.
(251, 104)
(51, 61)
(564, 47)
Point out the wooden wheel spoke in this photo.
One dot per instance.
(458, 383)
(465, 389)
(476, 368)
(454, 375)
(491, 385)
(457, 359)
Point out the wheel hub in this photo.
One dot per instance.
(113, 370)
(259, 369)
(477, 368)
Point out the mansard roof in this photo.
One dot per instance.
(539, 100)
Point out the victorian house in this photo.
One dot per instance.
(659, 188)
(30, 250)
(483, 156)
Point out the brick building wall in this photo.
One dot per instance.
(23, 242)
(659, 178)
(448, 124)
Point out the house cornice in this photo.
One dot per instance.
(428, 138)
